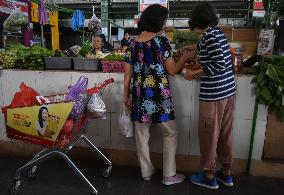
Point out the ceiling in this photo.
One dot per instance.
(127, 9)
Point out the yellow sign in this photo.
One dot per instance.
(45, 121)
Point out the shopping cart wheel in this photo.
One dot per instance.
(32, 172)
(107, 172)
(15, 187)
(93, 193)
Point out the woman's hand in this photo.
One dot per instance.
(127, 103)
(188, 55)
(187, 74)
(192, 74)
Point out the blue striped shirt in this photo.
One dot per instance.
(216, 62)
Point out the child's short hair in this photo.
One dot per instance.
(203, 16)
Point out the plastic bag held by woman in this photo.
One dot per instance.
(125, 123)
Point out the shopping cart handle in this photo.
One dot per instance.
(102, 85)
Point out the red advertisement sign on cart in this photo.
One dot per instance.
(45, 121)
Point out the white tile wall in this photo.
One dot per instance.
(241, 137)
(259, 139)
(116, 92)
(182, 92)
(51, 83)
(193, 136)
(245, 98)
(12, 80)
(183, 126)
(1, 90)
(99, 131)
(3, 135)
(105, 133)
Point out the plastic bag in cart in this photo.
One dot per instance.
(76, 94)
(25, 97)
(96, 107)
(125, 123)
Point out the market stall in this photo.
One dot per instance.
(259, 88)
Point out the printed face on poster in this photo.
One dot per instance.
(44, 121)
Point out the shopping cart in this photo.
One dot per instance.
(63, 143)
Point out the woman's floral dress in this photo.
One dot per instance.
(151, 94)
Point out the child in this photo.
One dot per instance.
(217, 96)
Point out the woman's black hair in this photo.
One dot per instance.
(124, 43)
(202, 16)
(153, 18)
(103, 38)
(40, 116)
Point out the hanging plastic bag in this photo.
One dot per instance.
(125, 123)
(94, 24)
(96, 107)
(77, 94)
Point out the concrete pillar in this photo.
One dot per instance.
(104, 17)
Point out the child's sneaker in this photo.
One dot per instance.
(201, 180)
(178, 178)
(225, 180)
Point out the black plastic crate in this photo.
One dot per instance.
(58, 63)
(87, 64)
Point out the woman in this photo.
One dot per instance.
(125, 40)
(148, 63)
(98, 45)
(42, 123)
(106, 45)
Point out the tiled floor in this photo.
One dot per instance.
(55, 178)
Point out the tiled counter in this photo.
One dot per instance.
(105, 133)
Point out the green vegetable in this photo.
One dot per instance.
(19, 56)
(269, 80)
(114, 57)
(183, 38)
(86, 48)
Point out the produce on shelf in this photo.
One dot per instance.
(269, 84)
(192, 63)
(184, 38)
(100, 55)
(59, 53)
(15, 22)
(85, 49)
(7, 59)
(114, 57)
(19, 56)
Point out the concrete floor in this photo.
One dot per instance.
(54, 177)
